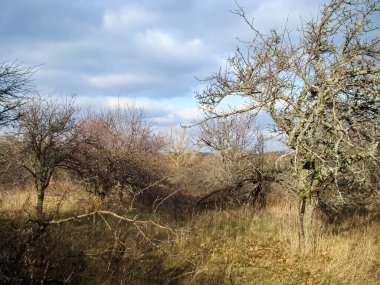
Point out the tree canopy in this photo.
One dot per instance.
(322, 91)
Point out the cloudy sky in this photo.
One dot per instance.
(147, 51)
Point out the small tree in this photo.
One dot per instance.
(181, 148)
(238, 145)
(120, 152)
(322, 92)
(15, 84)
(50, 138)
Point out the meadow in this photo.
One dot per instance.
(247, 244)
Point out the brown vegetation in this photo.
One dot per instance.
(130, 205)
(226, 246)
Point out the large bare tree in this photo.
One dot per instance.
(322, 92)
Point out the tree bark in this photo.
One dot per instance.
(40, 202)
(41, 185)
(301, 223)
(307, 229)
(308, 204)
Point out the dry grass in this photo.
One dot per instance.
(350, 252)
(246, 246)
(239, 246)
(61, 198)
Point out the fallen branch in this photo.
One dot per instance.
(134, 220)
(221, 195)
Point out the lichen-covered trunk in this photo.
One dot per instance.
(307, 221)
(307, 209)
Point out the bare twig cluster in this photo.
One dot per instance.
(15, 84)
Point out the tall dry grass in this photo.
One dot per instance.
(236, 246)
(251, 246)
(350, 251)
(63, 197)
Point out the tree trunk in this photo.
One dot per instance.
(40, 201)
(41, 184)
(308, 205)
(41, 181)
(301, 223)
(307, 233)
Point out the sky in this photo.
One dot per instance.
(150, 52)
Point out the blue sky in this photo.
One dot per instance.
(147, 51)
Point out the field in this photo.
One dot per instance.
(240, 245)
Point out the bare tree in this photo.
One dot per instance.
(322, 92)
(48, 131)
(181, 147)
(12, 174)
(121, 151)
(238, 144)
(236, 172)
(15, 84)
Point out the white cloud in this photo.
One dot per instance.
(120, 79)
(189, 113)
(127, 17)
(160, 43)
(145, 103)
(158, 111)
(115, 102)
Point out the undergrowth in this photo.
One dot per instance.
(235, 246)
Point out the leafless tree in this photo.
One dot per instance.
(238, 144)
(322, 92)
(48, 131)
(181, 147)
(121, 151)
(12, 174)
(236, 172)
(15, 84)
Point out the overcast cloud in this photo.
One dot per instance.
(144, 51)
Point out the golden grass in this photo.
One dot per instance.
(63, 197)
(245, 246)
(238, 246)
